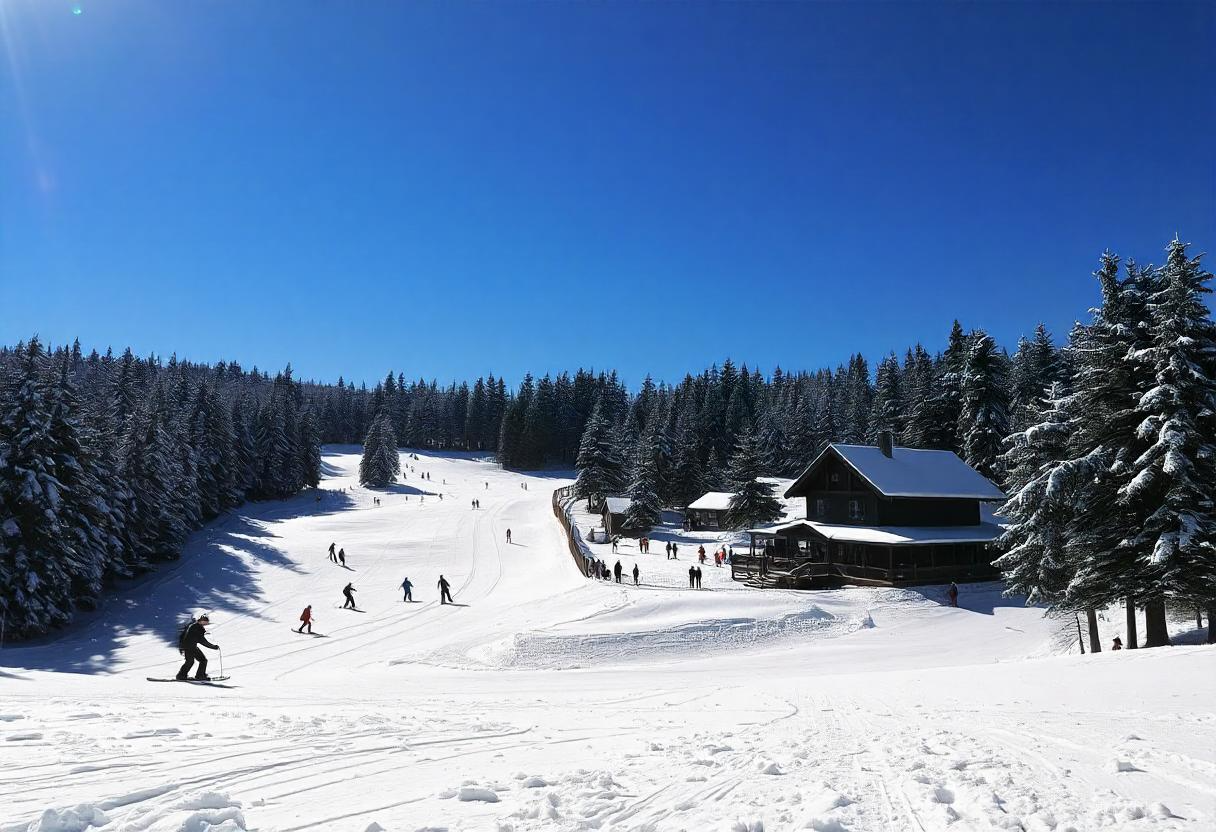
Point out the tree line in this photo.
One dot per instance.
(108, 462)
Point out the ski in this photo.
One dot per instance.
(212, 681)
(314, 635)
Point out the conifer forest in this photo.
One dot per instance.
(1104, 438)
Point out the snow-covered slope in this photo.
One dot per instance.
(546, 701)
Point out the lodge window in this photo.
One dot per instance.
(855, 512)
(820, 508)
(835, 477)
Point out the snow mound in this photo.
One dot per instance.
(77, 819)
(474, 793)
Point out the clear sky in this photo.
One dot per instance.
(449, 189)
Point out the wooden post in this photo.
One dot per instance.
(1131, 623)
(1080, 640)
(1095, 641)
(891, 563)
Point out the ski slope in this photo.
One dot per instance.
(544, 701)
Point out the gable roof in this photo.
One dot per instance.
(617, 505)
(908, 472)
(713, 501)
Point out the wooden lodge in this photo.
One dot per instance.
(708, 512)
(613, 511)
(878, 515)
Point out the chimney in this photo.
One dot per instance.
(885, 443)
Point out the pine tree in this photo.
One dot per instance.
(381, 462)
(984, 419)
(1172, 483)
(887, 408)
(645, 506)
(1035, 369)
(39, 558)
(600, 464)
(752, 503)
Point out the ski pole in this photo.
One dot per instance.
(221, 652)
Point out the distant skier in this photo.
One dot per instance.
(636, 574)
(675, 551)
(349, 591)
(508, 535)
(342, 557)
(192, 636)
(306, 620)
(332, 555)
(616, 570)
(408, 588)
(616, 539)
(445, 591)
(952, 594)
(669, 550)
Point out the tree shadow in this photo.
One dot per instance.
(217, 572)
(985, 597)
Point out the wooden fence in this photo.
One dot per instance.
(577, 551)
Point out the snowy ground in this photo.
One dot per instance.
(547, 701)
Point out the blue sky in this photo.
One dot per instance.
(450, 189)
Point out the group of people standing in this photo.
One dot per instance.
(338, 557)
(694, 577)
(599, 569)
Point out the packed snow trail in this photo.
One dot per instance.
(543, 701)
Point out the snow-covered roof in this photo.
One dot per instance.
(713, 501)
(892, 535)
(617, 505)
(912, 472)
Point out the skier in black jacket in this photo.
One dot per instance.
(195, 635)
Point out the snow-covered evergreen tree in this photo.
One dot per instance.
(752, 502)
(645, 506)
(1172, 484)
(984, 419)
(39, 554)
(601, 469)
(381, 462)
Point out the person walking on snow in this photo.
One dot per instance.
(445, 591)
(669, 550)
(616, 570)
(692, 577)
(508, 535)
(615, 539)
(194, 635)
(408, 588)
(306, 620)
(698, 577)
(342, 557)
(636, 574)
(952, 594)
(349, 591)
(333, 556)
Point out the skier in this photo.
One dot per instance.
(616, 570)
(342, 557)
(692, 577)
(306, 620)
(952, 594)
(508, 535)
(445, 591)
(187, 645)
(1117, 644)
(701, 554)
(636, 574)
(348, 591)
(332, 555)
(409, 589)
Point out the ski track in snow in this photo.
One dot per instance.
(548, 702)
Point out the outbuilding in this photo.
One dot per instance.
(708, 512)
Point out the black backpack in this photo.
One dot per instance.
(181, 637)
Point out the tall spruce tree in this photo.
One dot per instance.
(381, 463)
(645, 502)
(752, 502)
(984, 418)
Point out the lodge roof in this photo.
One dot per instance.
(617, 505)
(890, 535)
(908, 472)
(712, 501)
